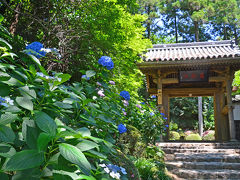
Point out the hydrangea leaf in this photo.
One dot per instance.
(6, 134)
(85, 145)
(7, 118)
(84, 131)
(26, 92)
(4, 90)
(90, 73)
(24, 159)
(75, 155)
(45, 123)
(6, 150)
(64, 78)
(25, 103)
(43, 140)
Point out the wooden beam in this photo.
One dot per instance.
(225, 110)
(229, 77)
(159, 88)
(176, 80)
(217, 79)
(168, 81)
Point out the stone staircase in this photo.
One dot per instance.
(202, 160)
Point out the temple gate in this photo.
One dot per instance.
(192, 70)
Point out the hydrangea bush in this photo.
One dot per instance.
(51, 129)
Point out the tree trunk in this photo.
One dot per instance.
(224, 32)
(13, 26)
(148, 22)
(200, 117)
(196, 29)
(176, 29)
(235, 34)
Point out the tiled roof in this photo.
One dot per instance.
(192, 51)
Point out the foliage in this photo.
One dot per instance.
(184, 112)
(83, 31)
(193, 137)
(51, 128)
(149, 169)
(209, 135)
(173, 135)
(131, 142)
(146, 117)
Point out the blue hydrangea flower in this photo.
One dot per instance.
(35, 49)
(162, 114)
(166, 125)
(122, 128)
(106, 62)
(153, 96)
(85, 77)
(125, 95)
(165, 118)
(151, 113)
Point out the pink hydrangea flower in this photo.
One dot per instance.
(125, 102)
(138, 106)
(99, 84)
(124, 113)
(112, 82)
(100, 93)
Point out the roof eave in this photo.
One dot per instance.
(185, 63)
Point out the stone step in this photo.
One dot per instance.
(173, 150)
(203, 157)
(200, 145)
(203, 165)
(197, 174)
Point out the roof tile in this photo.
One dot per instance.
(190, 51)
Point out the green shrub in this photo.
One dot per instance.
(173, 135)
(209, 135)
(150, 169)
(193, 137)
(173, 126)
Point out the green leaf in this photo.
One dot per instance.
(75, 155)
(6, 134)
(13, 82)
(84, 131)
(35, 59)
(43, 141)
(96, 154)
(7, 118)
(6, 150)
(28, 93)
(3, 176)
(25, 159)
(4, 76)
(85, 145)
(25, 103)
(62, 105)
(4, 90)
(45, 123)
(13, 109)
(30, 133)
(6, 43)
(64, 78)
(90, 73)
(73, 176)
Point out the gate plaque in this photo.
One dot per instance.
(193, 76)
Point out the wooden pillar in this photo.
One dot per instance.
(224, 118)
(230, 106)
(160, 92)
(217, 116)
